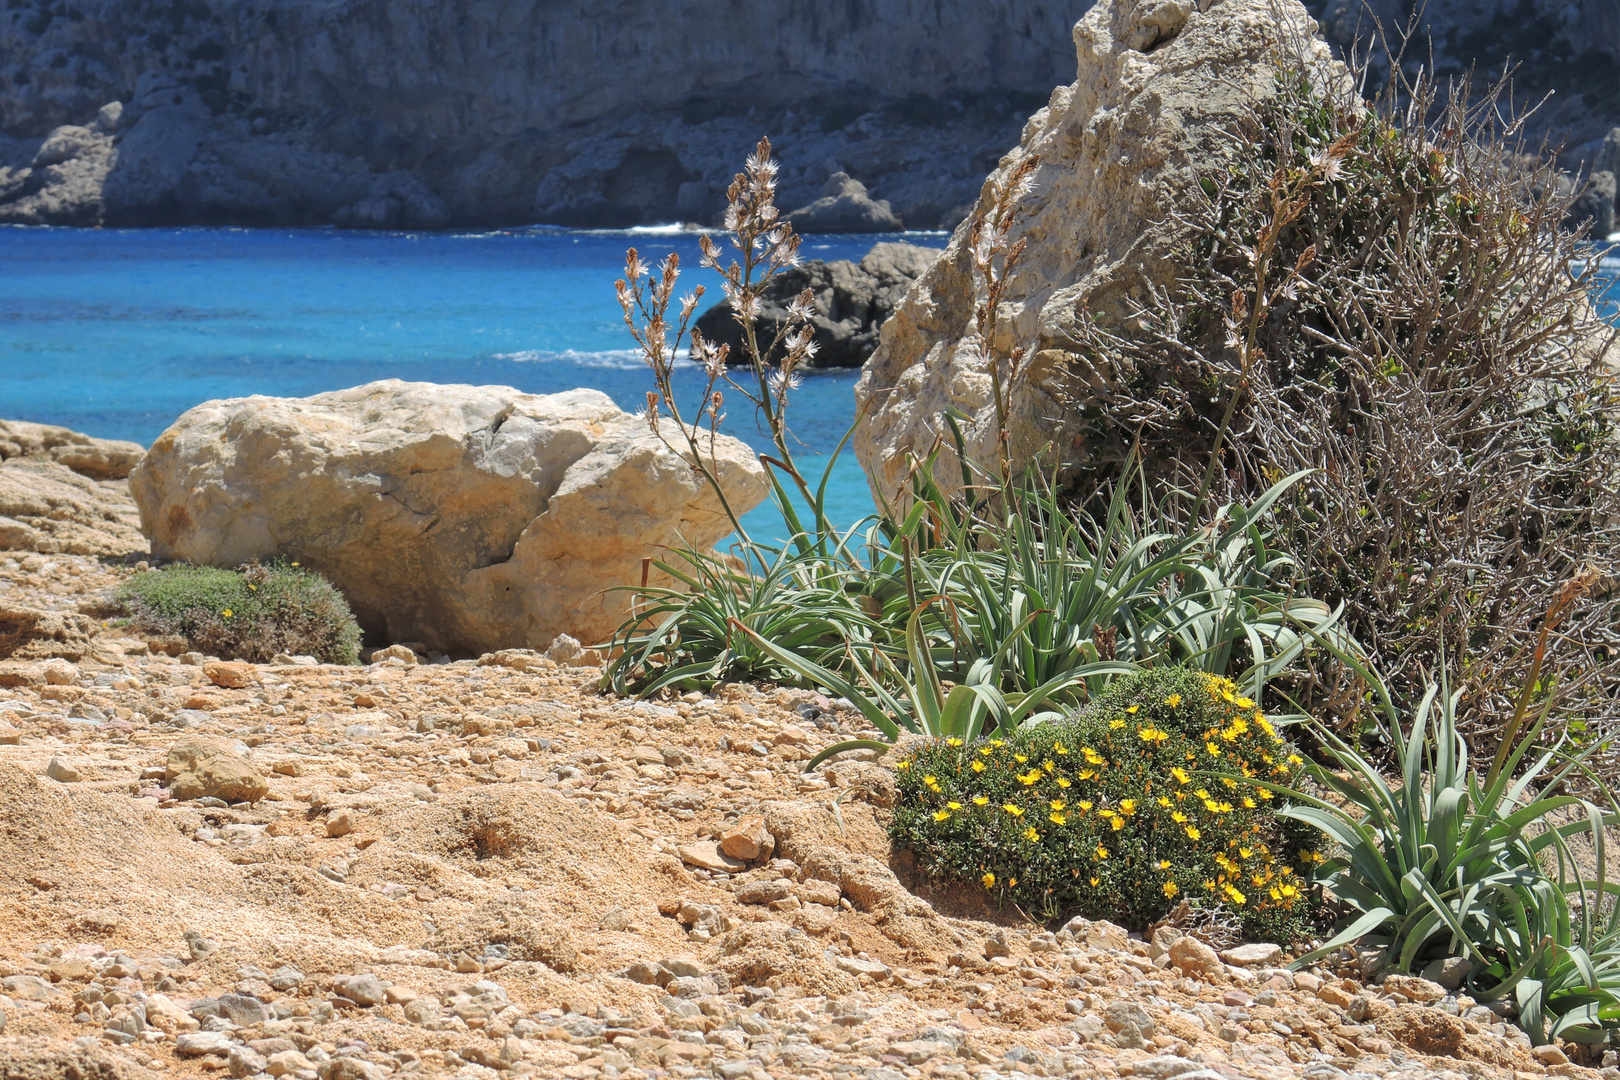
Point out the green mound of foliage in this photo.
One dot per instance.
(250, 614)
(1145, 798)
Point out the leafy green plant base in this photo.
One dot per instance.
(250, 614)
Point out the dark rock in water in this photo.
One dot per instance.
(851, 302)
(845, 207)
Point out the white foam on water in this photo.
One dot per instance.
(621, 359)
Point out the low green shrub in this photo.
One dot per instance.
(250, 614)
(1142, 799)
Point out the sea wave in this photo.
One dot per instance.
(623, 359)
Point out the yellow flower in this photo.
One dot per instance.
(1047, 765)
(1209, 886)
(1012, 883)
(1173, 700)
(1237, 897)
(1295, 759)
(1212, 806)
(1170, 889)
(1164, 864)
(1015, 811)
(1091, 756)
(1178, 817)
(1102, 852)
(1245, 853)
(1244, 703)
(1020, 758)
(932, 782)
(1058, 748)
(1248, 802)
(1192, 832)
(953, 806)
(1128, 805)
(1133, 708)
(1117, 724)
(1214, 751)
(989, 881)
(1058, 804)
(1087, 774)
(904, 765)
(1265, 725)
(977, 766)
(1057, 819)
(953, 742)
(1084, 804)
(942, 815)
(1229, 782)
(1225, 807)
(1030, 777)
(980, 800)
(1062, 783)
(1096, 882)
(997, 743)
(1202, 793)
(984, 750)
(1164, 802)
(1031, 835)
(1181, 775)
(227, 613)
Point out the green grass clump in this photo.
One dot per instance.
(250, 614)
(1142, 799)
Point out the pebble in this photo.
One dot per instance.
(62, 772)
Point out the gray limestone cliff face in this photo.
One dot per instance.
(415, 113)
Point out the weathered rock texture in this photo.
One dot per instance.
(1158, 84)
(416, 113)
(852, 300)
(47, 507)
(98, 459)
(468, 518)
(30, 634)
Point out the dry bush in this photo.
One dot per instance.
(1384, 292)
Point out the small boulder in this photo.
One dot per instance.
(231, 674)
(208, 768)
(27, 634)
(1192, 957)
(62, 772)
(402, 653)
(1449, 972)
(340, 823)
(1253, 955)
(1413, 988)
(364, 989)
(706, 855)
(747, 840)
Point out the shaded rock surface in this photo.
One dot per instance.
(852, 300)
(466, 518)
(1157, 85)
(411, 114)
(30, 634)
(845, 206)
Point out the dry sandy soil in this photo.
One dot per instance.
(487, 868)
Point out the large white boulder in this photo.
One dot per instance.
(468, 518)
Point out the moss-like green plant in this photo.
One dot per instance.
(250, 614)
(1142, 799)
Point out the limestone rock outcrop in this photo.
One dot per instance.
(1158, 83)
(852, 300)
(468, 518)
(98, 459)
(419, 113)
(47, 507)
(29, 634)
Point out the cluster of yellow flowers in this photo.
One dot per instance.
(1200, 798)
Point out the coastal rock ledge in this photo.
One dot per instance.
(468, 518)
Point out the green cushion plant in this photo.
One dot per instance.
(251, 613)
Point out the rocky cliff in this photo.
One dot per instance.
(419, 113)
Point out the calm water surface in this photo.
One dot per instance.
(117, 332)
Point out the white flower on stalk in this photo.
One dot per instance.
(802, 306)
(781, 382)
(1328, 164)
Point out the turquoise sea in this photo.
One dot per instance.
(117, 332)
